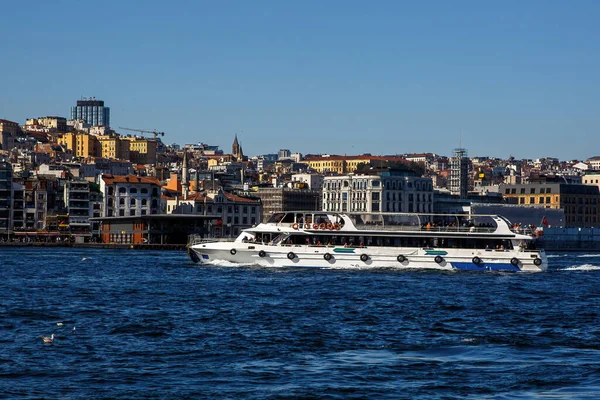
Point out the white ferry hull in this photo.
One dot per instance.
(374, 257)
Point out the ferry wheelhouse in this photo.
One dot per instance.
(343, 240)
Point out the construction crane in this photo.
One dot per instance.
(154, 132)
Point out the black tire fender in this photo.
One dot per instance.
(327, 256)
(233, 251)
(262, 253)
(364, 257)
(537, 261)
(476, 260)
(401, 258)
(291, 255)
(439, 259)
(514, 261)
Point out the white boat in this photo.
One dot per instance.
(347, 240)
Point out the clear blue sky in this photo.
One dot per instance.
(517, 78)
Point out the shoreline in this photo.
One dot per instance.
(179, 247)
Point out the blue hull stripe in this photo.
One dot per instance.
(469, 266)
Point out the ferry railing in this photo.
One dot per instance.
(414, 228)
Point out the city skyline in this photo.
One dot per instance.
(500, 80)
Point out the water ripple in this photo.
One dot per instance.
(134, 324)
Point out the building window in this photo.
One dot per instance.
(548, 199)
(522, 190)
(532, 200)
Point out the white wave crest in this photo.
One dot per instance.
(583, 267)
(588, 255)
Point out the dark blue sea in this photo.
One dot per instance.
(149, 324)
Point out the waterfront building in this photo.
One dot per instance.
(378, 191)
(6, 198)
(459, 173)
(78, 207)
(91, 111)
(581, 203)
(130, 195)
(287, 199)
(233, 213)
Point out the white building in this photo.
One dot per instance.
(388, 191)
(130, 195)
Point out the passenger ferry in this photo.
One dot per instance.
(346, 240)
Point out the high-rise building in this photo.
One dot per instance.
(91, 111)
(459, 173)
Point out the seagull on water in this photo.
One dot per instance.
(48, 339)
